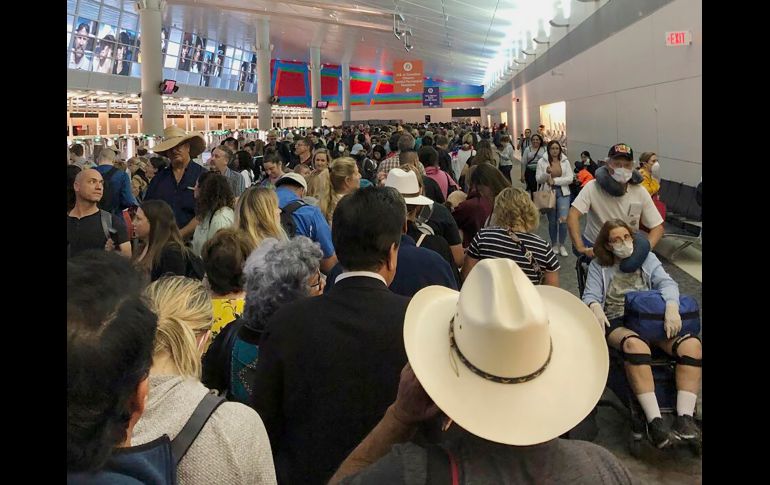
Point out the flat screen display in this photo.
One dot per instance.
(321, 104)
(168, 86)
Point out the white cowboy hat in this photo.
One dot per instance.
(173, 136)
(407, 185)
(507, 361)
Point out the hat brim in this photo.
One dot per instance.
(516, 414)
(197, 144)
(419, 200)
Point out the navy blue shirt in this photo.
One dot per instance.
(178, 195)
(416, 269)
(122, 196)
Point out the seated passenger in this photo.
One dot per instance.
(506, 368)
(233, 446)
(605, 292)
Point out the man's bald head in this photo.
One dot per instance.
(89, 186)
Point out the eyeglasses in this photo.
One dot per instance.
(318, 279)
(618, 240)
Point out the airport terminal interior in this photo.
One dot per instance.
(384, 241)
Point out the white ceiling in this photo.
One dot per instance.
(458, 40)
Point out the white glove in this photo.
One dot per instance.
(673, 321)
(596, 307)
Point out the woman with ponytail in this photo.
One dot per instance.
(344, 178)
(233, 446)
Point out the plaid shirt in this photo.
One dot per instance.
(393, 162)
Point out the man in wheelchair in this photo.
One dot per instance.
(605, 291)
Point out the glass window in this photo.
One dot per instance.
(230, 51)
(238, 54)
(176, 35)
(70, 21)
(129, 21)
(173, 49)
(171, 61)
(110, 15)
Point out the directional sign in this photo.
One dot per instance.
(431, 97)
(407, 76)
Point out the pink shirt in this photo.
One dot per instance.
(442, 179)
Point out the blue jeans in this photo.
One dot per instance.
(558, 230)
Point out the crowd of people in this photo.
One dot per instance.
(360, 304)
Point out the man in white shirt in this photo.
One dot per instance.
(78, 59)
(633, 206)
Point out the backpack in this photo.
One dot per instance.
(287, 221)
(645, 312)
(109, 190)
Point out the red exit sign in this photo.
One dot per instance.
(678, 38)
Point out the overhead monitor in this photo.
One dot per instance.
(321, 104)
(168, 86)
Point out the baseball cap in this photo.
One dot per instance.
(356, 148)
(621, 150)
(291, 178)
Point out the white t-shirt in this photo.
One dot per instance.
(84, 64)
(600, 206)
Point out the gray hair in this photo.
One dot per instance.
(276, 273)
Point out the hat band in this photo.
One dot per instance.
(491, 377)
(410, 196)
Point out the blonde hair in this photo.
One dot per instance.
(515, 210)
(339, 170)
(318, 184)
(184, 310)
(255, 216)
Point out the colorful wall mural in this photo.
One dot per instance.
(291, 83)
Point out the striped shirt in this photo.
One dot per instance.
(494, 242)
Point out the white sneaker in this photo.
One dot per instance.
(563, 251)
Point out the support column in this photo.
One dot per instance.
(264, 110)
(69, 118)
(346, 91)
(109, 112)
(315, 83)
(152, 65)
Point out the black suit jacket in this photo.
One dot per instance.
(328, 369)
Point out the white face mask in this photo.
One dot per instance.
(623, 250)
(622, 175)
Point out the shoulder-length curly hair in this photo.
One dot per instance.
(277, 273)
(214, 194)
(515, 210)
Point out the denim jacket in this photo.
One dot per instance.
(653, 275)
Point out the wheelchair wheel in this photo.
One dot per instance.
(697, 448)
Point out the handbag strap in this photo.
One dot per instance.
(527, 254)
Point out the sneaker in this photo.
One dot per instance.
(685, 428)
(660, 435)
(563, 251)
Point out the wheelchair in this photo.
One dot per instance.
(664, 376)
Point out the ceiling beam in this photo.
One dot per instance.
(265, 12)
